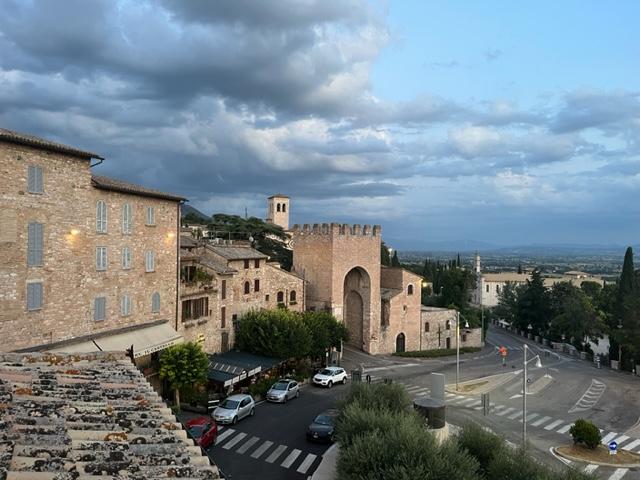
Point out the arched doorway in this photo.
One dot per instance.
(357, 295)
(400, 343)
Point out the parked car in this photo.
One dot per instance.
(203, 430)
(234, 408)
(327, 377)
(322, 429)
(283, 390)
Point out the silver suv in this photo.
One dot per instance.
(283, 390)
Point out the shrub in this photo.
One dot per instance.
(441, 352)
(583, 431)
(481, 444)
(260, 388)
(378, 396)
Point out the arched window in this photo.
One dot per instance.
(284, 207)
(448, 325)
(292, 296)
(247, 288)
(280, 297)
(101, 217)
(410, 290)
(155, 303)
(278, 207)
(426, 326)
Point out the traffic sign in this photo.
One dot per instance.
(613, 448)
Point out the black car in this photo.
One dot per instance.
(322, 429)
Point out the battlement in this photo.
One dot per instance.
(337, 229)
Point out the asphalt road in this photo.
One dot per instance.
(272, 445)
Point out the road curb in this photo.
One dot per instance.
(563, 457)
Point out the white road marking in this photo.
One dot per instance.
(234, 441)
(553, 425)
(474, 404)
(590, 468)
(565, 429)
(261, 449)
(468, 401)
(539, 422)
(276, 453)
(608, 437)
(247, 445)
(413, 387)
(225, 434)
(287, 462)
(632, 445)
(504, 412)
(531, 417)
(619, 473)
(589, 398)
(306, 463)
(515, 415)
(621, 439)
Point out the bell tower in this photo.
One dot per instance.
(278, 210)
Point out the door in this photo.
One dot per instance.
(244, 407)
(400, 343)
(448, 342)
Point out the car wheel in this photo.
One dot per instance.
(297, 393)
(252, 412)
(285, 399)
(235, 420)
(330, 384)
(344, 381)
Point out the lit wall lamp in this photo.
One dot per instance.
(171, 235)
(74, 231)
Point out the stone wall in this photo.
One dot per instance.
(67, 209)
(405, 310)
(442, 326)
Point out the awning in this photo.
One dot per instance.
(233, 366)
(145, 339)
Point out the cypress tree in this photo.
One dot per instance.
(623, 322)
(394, 260)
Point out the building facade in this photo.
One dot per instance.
(222, 281)
(278, 210)
(82, 256)
(438, 330)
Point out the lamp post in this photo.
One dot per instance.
(524, 391)
(466, 325)
(620, 346)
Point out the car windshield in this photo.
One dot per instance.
(196, 431)
(324, 420)
(280, 386)
(230, 404)
(326, 372)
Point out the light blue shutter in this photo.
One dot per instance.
(126, 218)
(38, 175)
(99, 310)
(31, 179)
(34, 296)
(155, 303)
(35, 240)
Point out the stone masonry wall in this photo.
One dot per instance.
(405, 310)
(67, 208)
(437, 319)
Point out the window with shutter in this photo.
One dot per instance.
(151, 216)
(101, 258)
(126, 258)
(34, 296)
(35, 240)
(155, 303)
(34, 179)
(101, 217)
(100, 308)
(126, 219)
(149, 261)
(125, 305)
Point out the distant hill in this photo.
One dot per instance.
(189, 210)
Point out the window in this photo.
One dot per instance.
(101, 217)
(100, 308)
(223, 317)
(101, 258)
(126, 218)
(151, 216)
(247, 288)
(266, 298)
(292, 296)
(34, 244)
(487, 288)
(410, 290)
(196, 308)
(426, 327)
(223, 290)
(278, 208)
(497, 288)
(280, 297)
(155, 303)
(149, 261)
(34, 179)
(284, 207)
(256, 263)
(256, 285)
(126, 258)
(448, 325)
(34, 296)
(464, 337)
(125, 305)
(246, 264)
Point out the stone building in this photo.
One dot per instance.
(278, 210)
(222, 281)
(341, 266)
(438, 330)
(84, 259)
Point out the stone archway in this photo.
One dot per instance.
(357, 295)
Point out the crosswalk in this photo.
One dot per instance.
(548, 423)
(258, 449)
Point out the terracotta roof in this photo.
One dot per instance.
(236, 252)
(89, 416)
(506, 277)
(41, 143)
(114, 185)
(187, 241)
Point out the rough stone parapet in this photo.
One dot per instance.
(334, 229)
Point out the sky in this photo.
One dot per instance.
(507, 123)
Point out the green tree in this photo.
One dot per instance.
(394, 260)
(574, 314)
(184, 365)
(385, 258)
(623, 322)
(326, 332)
(533, 305)
(507, 308)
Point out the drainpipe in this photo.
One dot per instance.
(180, 203)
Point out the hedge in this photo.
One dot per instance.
(442, 352)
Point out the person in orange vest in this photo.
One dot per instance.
(503, 353)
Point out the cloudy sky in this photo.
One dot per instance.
(443, 121)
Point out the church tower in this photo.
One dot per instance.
(477, 269)
(278, 210)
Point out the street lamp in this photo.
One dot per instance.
(466, 325)
(620, 346)
(524, 391)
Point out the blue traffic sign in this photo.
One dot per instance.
(613, 446)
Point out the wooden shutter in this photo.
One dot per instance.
(100, 306)
(35, 240)
(34, 296)
(155, 303)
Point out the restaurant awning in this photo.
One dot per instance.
(232, 367)
(146, 339)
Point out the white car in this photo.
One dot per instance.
(327, 377)
(234, 408)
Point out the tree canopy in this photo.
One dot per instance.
(184, 365)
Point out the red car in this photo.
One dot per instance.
(203, 430)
